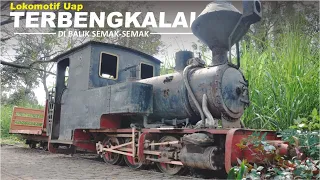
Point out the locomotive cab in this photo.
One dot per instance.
(96, 79)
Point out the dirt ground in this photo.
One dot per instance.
(23, 163)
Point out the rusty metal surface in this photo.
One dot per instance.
(87, 96)
(131, 97)
(233, 152)
(219, 56)
(235, 91)
(209, 81)
(220, 87)
(169, 97)
(157, 130)
(202, 158)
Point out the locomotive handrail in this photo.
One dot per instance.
(189, 90)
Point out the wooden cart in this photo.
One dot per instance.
(31, 125)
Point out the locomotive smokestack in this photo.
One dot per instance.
(219, 56)
(220, 25)
(181, 60)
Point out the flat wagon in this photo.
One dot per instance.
(31, 125)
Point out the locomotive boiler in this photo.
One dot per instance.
(112, 100)
(217, 91)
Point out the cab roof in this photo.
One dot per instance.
(58, 57)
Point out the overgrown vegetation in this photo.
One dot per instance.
(275, 166)
(305, 132)
(283, 80)
(302, 161)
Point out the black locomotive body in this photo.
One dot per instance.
(131, 84)
(96, 79)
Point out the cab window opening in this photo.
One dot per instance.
(63, 73)
(66, 76)
(146, 71)
(108, 66)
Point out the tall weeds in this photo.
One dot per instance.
(283, 80)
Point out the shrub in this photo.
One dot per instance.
(277, 167)
(283, 80)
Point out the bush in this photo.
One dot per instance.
(276, 167)
(311, 123)
(6, 113)
(283, 80)
(305, 134)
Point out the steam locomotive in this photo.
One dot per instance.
(112, 100)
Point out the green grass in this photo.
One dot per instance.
(12, 140)
(283, 81)
(167, 66)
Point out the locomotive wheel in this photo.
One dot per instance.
(109, 157)
(132, 162)
(171, 169)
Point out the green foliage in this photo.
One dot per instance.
(238, 172)
(20, 96)
(311, 123)
(167, 65)
(12, 140)
(283, 80)
(309, 142)
(6, 114)
(274, 166)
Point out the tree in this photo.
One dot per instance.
(32, 63)
(150, 45)
(277, 17)
(20, 96)
(7, 20)
(31, 48)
